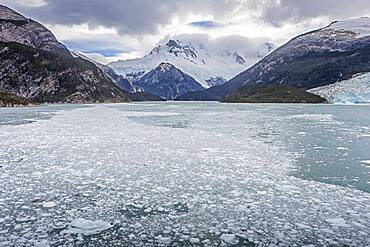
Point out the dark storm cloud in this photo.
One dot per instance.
(278, 12)
(127, 16)
(145, 16)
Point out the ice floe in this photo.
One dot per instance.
(93, 176)
(87, 227)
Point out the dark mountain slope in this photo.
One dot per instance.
(167, 82)
(53, 77)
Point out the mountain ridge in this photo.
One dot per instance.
(198, 61)
(313, 59)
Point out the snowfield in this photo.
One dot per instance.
(97, 177)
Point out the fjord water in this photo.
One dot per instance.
(331, 142)
(185, 173)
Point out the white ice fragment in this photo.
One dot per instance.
(194, 240)
(162, 189)
(337, 222)
(49, 204)
(229, 238)
(87, 227)
(148, 210)
(163, 240)
(24, 219)
(342, 148)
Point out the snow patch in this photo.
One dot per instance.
(339, 222)
(229, 238)
(49, 204)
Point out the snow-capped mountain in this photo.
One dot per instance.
(314, 59)
(17, 28)
(354, 90)
(205, 65)
(168, 82)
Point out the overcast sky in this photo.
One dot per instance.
(108, 30)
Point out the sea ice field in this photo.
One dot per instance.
(185, 174)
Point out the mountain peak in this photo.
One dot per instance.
(164, 67)
(173, 43)
(200, 59)
(168, 82)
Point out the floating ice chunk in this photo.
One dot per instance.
(366, 162)
(342, 148)
(24, 219)
(229, 238)
(337, 222)
(87, 227)
(49, 204)
(162, 189)
(148, 210)
(194, 240)
(163, 240)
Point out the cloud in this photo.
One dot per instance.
(235, 43)
(141, 17)
(126, 16)
(114, 27)
(279, 12)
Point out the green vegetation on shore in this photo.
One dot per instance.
(273, 94)
(10, 100)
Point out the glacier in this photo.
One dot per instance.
(150, 175)
(353, 91)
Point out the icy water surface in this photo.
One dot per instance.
(185, 174)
